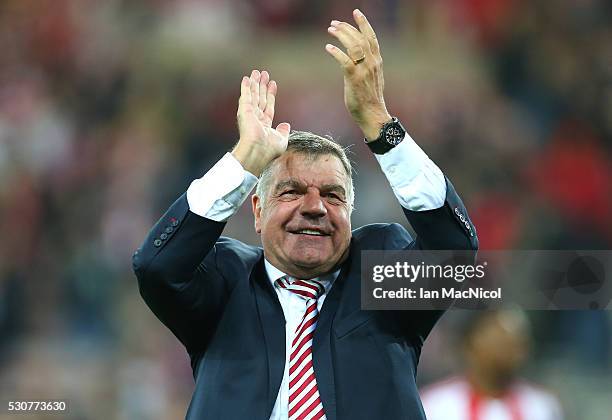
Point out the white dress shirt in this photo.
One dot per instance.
(293, 308)
(416, 181)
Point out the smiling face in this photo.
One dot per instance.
(305, 222)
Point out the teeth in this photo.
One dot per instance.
(310, 232)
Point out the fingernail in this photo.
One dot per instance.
(358, 12)
(331, 29)
(329, 47)
(335, 22)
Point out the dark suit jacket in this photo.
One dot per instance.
(213, 293)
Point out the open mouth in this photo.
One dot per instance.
(310, 232)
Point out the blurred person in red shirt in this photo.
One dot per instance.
(495, 347)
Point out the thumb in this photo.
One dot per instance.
(283, 129)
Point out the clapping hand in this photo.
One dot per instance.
(259, 142)
(362, 67)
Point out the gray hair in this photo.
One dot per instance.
(311, 145)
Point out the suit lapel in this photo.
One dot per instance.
(273, 324)
(321, 342)
(349, 295)
(337, 305)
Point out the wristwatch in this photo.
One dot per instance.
(391, 134)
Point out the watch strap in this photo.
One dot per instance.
(381, 145)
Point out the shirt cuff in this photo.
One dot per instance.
(221, 191)
(416, 181)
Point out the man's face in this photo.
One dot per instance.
(305, 222)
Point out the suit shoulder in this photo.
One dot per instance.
(232, 251)
(383, 235)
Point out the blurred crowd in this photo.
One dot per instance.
(108, 109)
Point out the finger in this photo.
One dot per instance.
(340, 56)
(284, 129)
(244, 102)
(367, 30)
(352, 39)
(270, 100)
(245, 91)
(255, 75)
(346, 34)
(345, 26)
(263, 89)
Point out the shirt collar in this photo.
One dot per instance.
(274, 274)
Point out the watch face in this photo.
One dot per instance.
(394, 134)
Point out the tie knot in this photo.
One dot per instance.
(308, 289)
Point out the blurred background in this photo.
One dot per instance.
(108, 109)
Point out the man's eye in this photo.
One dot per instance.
(288, 192)
(334, 196)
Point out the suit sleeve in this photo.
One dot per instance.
(177, 274)
(446, 228)
(435, 212)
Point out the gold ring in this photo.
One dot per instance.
(359, 60)
(358, 52)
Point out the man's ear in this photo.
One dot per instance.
(256, 204)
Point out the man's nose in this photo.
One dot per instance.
(313, 205)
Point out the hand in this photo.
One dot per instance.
(363, 82)
(259, 143)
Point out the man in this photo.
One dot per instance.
(278, 333)
(495, 347)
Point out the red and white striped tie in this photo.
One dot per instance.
(304, 399)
